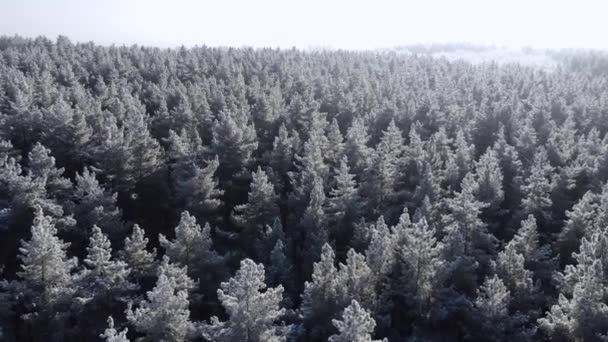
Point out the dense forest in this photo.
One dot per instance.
(239, 194)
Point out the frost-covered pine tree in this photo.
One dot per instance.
(260, 210)
(113, 335)
(321, 299)
(489, 190)
(103, 276)
(356, 325)
(314, 224)
(135, 254)
(234, 141)
(192, 247)
(200, 193)
(537, 188)
(92, 205)
(344, 202)
(356, 148)
(492, 314)
(383, 170)
(253, 309)
(179, 274)
(164, 315)
(418, 262)
(46, 281)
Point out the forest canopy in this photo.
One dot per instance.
(239, 194)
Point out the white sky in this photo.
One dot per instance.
(353, 24)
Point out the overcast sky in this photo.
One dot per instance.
(352, 24)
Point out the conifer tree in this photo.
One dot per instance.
(345, 204)
(321, 299)
(46, 281)
(260, 210)
(201, 194)
(193, 248)
(253, 309)
(382, 172)
(356, 148)
(234, 141)
(164, 315)
(103, 276)
(92, 206)
(492, 307)
(135, 254)
(113, 335)
(537, 189)
(357, 325)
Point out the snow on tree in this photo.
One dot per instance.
(356, 148)
(537, 188)
(178, 274)
(46, 271)
(253, 309)
(313, 223)
(201, 193)
(113, 335)
(103, 276)
(345, 203)
(92, 205)
(192, 247)
(382, 172)
(357, 325)
(321, 298)
(135, 254)
(234, 141)
(164, 315)
(260, 210)
(492, 311)
(419, 262)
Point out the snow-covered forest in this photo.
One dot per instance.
(249, 195)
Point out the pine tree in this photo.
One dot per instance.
(492, 310)
(201, 194)
(357, 325)
(489, 180)
(260, 210)
(538, 258)
(193, 248)
(310, 166)
(234, 141)
(464, 219)
(321, 299)
(113, 335)
(135, 254)
(41, 165)
(356, 280)
(356, 148)
(510, 267)
(461, 162)
(335, 142)
(583, 315)
(103, 276)
(282, 158)
(92, 205)
(419, 262)
(280, 268)
(164, 315)
(345, 204)
(314, 225)
(537, 189)
(253, 309)
(45, 283)
(179, 274)
(382, 172)
(580, 221)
